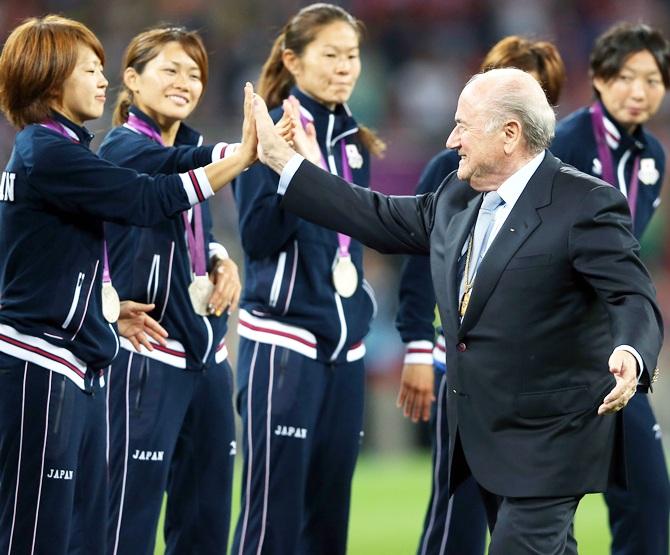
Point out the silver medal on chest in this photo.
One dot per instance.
(200, 291)
(345, 276)
(111, 305)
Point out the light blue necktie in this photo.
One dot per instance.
(483, 227)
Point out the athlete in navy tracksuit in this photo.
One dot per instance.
(630, 74)
(170, 410)
(300, 370)
(638, 516)
(54, 341)
(456, 525)
(56, 303)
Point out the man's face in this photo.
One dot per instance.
(481, 152)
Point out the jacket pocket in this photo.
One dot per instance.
(370, 292)
(75, 300)
(554, 402)
(152, 282)
(287, 379)
(61, 407)
(275, 289)
(144, 397)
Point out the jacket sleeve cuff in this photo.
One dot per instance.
(196, 185)
(288, 172)
(419, 352)
(219, 151)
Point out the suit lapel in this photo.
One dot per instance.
(518, 226)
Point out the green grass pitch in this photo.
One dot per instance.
(389, 498)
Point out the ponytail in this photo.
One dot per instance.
(275, 81)
(371, 141)
(123, 103)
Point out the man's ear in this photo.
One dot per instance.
(512, 136)
(130, 77)
(291, 62)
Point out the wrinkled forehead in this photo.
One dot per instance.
(473, 100)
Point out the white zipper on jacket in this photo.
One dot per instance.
(329, 151)
(621, 175)
(75, 300)
(169, 281)
(88, 298)
(279, 277)
(343, 327)
(289, 293)
(338, 301)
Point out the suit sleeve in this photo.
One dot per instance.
(605, 253)
(389, 224)
(416, 310)
(71, 178)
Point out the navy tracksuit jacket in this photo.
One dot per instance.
(638, 516)
(300, 370)
(54, 342)
(171, 414)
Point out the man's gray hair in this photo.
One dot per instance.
(517, 98)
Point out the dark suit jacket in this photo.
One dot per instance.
(559, 288)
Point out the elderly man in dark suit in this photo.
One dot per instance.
(541, 292)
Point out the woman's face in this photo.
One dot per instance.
(83, 96)
(329, 66)
(635, 93)
(169, 87)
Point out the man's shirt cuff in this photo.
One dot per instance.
(289, 171)
(632, 351)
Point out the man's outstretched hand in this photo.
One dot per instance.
(273, 151)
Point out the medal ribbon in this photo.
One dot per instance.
(61, 130)
(194, 239)
(605, 156)
(343, 240)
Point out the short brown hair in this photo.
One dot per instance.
(39, 55)
(539, 57)
(145, 47)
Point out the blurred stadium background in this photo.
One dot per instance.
(417, 55)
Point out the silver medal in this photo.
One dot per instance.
(200, 291)
(345, 276)
(111, 305)
(354, 156)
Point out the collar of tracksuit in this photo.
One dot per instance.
(185, 135)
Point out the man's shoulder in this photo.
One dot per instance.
(571, 182)
(568, 175)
